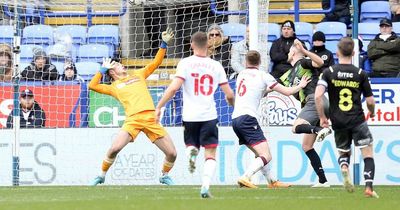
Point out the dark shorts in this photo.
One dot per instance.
(201, 133)
(309, 111)
(248, 130)
(360, 134)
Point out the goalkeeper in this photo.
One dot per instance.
(132, 92)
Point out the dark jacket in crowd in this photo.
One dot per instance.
(325, 54)
(223, 55)
(31, 73)
(342, 9)
(279, 55)
(385, 55)
(36, 118)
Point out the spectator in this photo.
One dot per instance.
(40, 69)
(318, 48)
(384, 51)
(363, 60)
(280, 49)
(30, 112)
(395, 7)
(6, 71)
(238, 56)
(219, 48)
(70, 73)
(341, 12)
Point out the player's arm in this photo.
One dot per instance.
(229, 95)
(168, 94)
(319, 101)
(167, 37)
(367, 92)
(317, 61)
(287, 91)
(95, 85)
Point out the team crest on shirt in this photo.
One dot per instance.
(324, 57)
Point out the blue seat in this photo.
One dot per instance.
(6, 34)
(224, 110)
(374, 11)
(87, 67)
(304, 31)
(332, 46)
(26, 54)
(38, 34)
(93, 52)
(77, 32)
(396, 28)
(273, 29)
(332, 30)
(23, 65)
(104, 34)
(59, 67)
(236, 31)
(368, 31)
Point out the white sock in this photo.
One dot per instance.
(255, 166)
(266, 171)
(208, 172)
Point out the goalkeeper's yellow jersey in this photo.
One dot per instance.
(131, 91)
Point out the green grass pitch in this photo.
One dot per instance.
(188, 198)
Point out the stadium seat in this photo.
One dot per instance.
(304, 31)
(396, 28)
(6, 34)
(87, 68)
(26, 54)
(59, 66)
(77, 32)
(368, 31)
(23, 65)
(273, 29)
(374, 11)
(93, 52)
(104, 34)
(38, 34)
(332, 30)
(332, 46)
(235, 31)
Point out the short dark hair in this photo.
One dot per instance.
(200, 39)
(253, 58)
(346, 46)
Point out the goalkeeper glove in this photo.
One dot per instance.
(167, 37)
(107, 64)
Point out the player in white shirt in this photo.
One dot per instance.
(200, 76)
(251, 85)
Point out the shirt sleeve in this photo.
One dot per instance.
(366, 85)
(180, 71)
(151, 67)
(100, 88)
(307, 64)
(323, 78)
(269, 80)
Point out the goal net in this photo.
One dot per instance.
(49, 52)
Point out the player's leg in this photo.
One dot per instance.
(363, 140)
(343, 144)
(272, 182)
(208, 137)
(191, 133)
(166, 145)
(120, 141)
(308, 148)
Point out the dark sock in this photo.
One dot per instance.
(316, 164)
(344, 160)
(305, 128)
(369, 171)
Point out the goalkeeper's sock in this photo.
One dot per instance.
(369, 171)
(167, 166)
(266, 171)
(316, 164)
(255, 166)
(208, 172)
(107, 162)
(305, 128)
